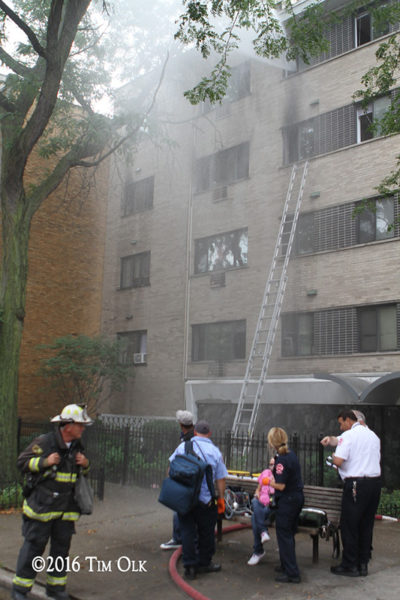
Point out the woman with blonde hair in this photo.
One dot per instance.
(288, 487)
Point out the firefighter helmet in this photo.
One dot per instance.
(73, 413)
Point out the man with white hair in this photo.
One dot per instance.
(185, 420)
(331, 440)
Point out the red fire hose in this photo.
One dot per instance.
(188, 589)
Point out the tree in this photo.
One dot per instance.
(379, 81)
(213, 27)
(85, 370)
(46, 107)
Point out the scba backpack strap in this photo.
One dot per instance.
(207, 468)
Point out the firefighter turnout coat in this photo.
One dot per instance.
(50, 490)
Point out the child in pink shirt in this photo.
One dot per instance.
(260, 506)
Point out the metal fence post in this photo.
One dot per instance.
(125, 464)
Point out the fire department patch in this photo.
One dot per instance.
(37, 449)
(279, 469)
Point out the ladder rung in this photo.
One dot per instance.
(257, 366)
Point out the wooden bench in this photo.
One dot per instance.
(320, 498)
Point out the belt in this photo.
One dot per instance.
(207, 504)
(361, 478)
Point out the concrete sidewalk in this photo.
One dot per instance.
(116, 555)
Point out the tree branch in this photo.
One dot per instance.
(6, 104)
(131, 134)
(24, 27)
(59, 48)
(14, 65)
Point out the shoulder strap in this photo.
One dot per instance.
(208, 470)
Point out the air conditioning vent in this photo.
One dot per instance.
(139, 358)
(217, 279)
(220, 193)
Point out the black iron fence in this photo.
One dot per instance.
(138, 454)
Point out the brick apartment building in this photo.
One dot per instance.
(66, 252)
(192, 227)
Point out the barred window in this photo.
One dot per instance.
(352, 31)
(347, 330)
(222, 251)
(337, 227)
(221, 341)
(138, 196)
(333, 130)
(135, 270)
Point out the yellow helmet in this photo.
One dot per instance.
(73, 413)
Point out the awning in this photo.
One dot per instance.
(383, 390)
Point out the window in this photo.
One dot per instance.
(304, 243)
(368, 119)
(297, 334)
(222, 341)
(378, 328)
(300, 141)
(238, 87)
(337, 331)
(133, 343)
(368, 28)
(223, 167)
(138, 196)
(336, 227)
(351, 31)
(376, 223)
(135, 270)
(333, 130)
(239, 82)
(222, 251)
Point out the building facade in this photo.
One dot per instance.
(64, 287)
(192, 227)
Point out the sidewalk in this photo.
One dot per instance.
(116, 555)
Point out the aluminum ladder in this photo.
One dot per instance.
(268, 319)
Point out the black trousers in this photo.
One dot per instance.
(286, 521)
(198, 535)
(357, 520)
(37, 534)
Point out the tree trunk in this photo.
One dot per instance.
(14, 270)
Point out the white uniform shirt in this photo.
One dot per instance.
(361, 450)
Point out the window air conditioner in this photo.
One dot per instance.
(139, 358)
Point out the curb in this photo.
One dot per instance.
(37, 592)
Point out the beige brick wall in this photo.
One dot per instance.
(174, 301)
(64, 291)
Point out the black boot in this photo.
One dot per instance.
(16, 595)
(57, 594)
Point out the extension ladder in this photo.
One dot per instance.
(268, 319)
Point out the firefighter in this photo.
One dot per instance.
(51, 464)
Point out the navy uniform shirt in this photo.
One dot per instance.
(287, 471)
